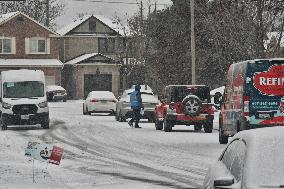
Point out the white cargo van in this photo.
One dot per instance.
(23, 98)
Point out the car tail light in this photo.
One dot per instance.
(179, 107)
(93, 100)
(114, 101)
(208, 109)
(246, 105)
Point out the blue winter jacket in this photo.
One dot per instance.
(136, 100)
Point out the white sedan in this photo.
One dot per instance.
(99, 102)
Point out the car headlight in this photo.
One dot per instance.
(43, 104)
(6, 105)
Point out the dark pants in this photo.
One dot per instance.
(136, 116)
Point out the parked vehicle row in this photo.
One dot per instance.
(180, 105)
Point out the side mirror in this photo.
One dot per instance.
(223, 182)
(218, 98)
(160, 98)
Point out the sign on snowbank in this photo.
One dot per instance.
(44, 152)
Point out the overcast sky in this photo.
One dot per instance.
(74, 7)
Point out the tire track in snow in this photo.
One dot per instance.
(81, 145)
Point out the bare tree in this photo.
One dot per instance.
(36, 9)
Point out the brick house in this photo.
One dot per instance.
(27, 44)
(92, 48)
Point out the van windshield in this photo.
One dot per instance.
(24, 89)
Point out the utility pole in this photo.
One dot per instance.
(193, 76)
(142, 42)
(47, 13)
(147, 51)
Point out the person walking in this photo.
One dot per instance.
(136, 106)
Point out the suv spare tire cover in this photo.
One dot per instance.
(191, 104)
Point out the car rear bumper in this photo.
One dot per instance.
(33, 119)
(181, 119)
(101, 108)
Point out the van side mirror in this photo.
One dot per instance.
(218, 98)
(160, 98)
(223, 182)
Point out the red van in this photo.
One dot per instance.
(253, 97)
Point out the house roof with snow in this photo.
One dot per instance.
(92, 58)
(30, 63)
(113, 25)
(6, 17)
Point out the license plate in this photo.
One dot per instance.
(103, 101)
(25, 116)
(264, 116)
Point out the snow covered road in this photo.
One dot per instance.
(102, 153)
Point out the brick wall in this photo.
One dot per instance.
(22, 28)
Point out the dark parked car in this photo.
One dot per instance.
(253, 159)
(56, 93)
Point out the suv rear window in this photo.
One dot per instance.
(180, 92)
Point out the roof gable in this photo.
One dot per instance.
(77, 27)
(9, 16)
(6, 17)
(92, 58)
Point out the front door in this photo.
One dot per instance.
(97, 82)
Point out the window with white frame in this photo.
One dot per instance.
(7, 45)
(37, 45)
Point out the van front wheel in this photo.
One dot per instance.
(45, 125)
(223, 139)
(208, 127)
(3, 123)
(4, 126)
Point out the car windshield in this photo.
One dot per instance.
(179, 93)
(266, 163)
(24, 89)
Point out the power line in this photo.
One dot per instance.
(114, 2)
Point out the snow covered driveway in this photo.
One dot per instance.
(102, 153)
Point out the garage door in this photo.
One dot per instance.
(49, 80)
(97, 82)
